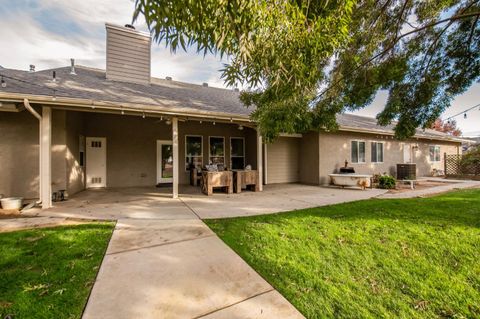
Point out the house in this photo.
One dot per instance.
(75, 127)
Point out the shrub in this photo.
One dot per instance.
(386, 182)
(470, 162)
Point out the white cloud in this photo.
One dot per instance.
(34, 42)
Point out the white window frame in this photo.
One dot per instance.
(439, 154)
(383, 153)
(358, 149)
(186, 155)
(244, 150)
(210, 154)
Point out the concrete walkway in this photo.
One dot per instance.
(179, 269)
(449, 186)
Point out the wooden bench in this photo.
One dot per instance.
(211, 180)
(245, 179)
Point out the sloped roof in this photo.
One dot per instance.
(364, 123)
(91, 84)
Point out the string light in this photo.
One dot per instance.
(464, 113)
(143, 114)
(4, 84)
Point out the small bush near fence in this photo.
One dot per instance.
(386, 182)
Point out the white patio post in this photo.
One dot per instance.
(259, 160)
(46, 157)
(175, 156)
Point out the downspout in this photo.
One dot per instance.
(27, 105)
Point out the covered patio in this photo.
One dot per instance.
(128, 149)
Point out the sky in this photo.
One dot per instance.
(47, 33)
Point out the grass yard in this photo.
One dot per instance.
(414, 258)
(48, 273)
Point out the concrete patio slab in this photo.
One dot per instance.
(120, 203)
(449, 186)
(186, 279)
(274, 199)
(14, 224)
(268, 305)
(131, 234)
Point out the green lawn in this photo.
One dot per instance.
(414, 258)
(48, 273)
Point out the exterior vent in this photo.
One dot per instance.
(168, 78)
(128, 54)
(72, 67)
(96, 180)
(205, 84)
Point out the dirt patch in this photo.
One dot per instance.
(405, 187)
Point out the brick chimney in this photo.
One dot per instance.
(128, 54)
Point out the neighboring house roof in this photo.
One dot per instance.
(366, 124)
(91, 85)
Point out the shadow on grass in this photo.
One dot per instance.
(48, 273)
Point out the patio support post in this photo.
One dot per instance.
(175, 156)
(259, 160)
(46, 157)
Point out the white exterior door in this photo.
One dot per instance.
(164, 162)
(96, 162)
(407, 153)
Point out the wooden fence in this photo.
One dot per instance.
(460, 166)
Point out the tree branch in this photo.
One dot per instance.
(392, 45)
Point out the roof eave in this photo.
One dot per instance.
(390, 133)
(127, 107)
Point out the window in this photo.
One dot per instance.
(237, 152)
(377, 152)
(358, 152)
(217, 150)
(193, 152)
(434, 153)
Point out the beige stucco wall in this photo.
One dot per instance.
(282, 160)
(309, 158)
(75, 173)
(131, 146)
(19, 153)
(335, 149)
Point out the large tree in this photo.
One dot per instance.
(306, 60)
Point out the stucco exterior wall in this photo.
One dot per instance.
(75, 173)
(309, 158)
(335, 148)
(19, 154)
(131, 146)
